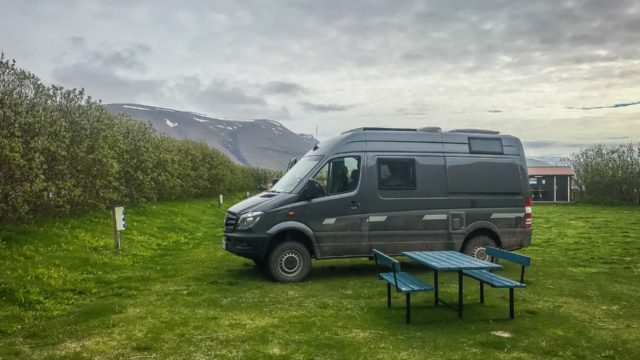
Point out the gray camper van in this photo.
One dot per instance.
(393, 190)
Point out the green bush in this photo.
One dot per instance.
(608, 174)
(61, 151)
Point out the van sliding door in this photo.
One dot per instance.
(407, 203)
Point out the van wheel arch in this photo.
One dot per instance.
(478, 232)
(480, 238)
(289, 235)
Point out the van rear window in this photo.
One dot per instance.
(485, 146)
(396, 174)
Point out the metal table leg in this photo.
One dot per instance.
(435, 282)
(460, 292)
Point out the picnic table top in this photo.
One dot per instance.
(450, 260)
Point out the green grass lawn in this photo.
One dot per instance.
(174, 293)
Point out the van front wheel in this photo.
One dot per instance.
(289, 262)
(477, 247)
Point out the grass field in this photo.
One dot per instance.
(174, 293)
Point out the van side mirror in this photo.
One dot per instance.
(274, 181)
(291, 163)
(312, 190)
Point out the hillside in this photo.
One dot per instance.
(258, 143)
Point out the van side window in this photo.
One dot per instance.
(396, 174)
(485, 146)
(340, 175)
(483, 175)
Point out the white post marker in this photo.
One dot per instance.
(248, 195)
(221, 199)
(119, 224)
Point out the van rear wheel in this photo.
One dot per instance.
(289, 261)
(477, 247)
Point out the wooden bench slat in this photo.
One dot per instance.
(493, 280)
(490, 278)
(508, 255)
(414, 282)
(386, 260)
(462, 261)
(426, 257)
(406, 282)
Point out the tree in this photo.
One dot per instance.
(609, 173)
(61, 151)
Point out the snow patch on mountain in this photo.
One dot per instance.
(163, 109)
(135, 107)
(259, 143)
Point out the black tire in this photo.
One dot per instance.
(477, 245)
(289, 261)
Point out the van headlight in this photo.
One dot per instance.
(248, 220)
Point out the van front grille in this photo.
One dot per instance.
(230, 222)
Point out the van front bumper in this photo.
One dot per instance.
(251, 246)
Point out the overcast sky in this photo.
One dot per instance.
(557, 74)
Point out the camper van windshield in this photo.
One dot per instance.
(293, 177)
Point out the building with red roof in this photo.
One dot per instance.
(549, 183)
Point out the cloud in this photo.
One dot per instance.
(105, 82)
(614, 106)
(107, 69)
(324, 107)
(217, 91)
(224, 98)
(126, 56)
(539, 144)
(102, 70)
(535, 148)
(453, 64)
(284, 87)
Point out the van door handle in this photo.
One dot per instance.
(353, 204)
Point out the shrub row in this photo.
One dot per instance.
(61, 151)
(609, 173)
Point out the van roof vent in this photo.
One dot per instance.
(377, 129)
(431, 129)
(474, 131)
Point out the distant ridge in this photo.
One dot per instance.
(258, 143)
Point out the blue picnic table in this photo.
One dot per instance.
(450, 261)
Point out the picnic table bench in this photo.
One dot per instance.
(450, 261)
(402, 281)
(463, 264)
(497, 281)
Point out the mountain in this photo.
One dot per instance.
(259, 143)
(549, 160)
